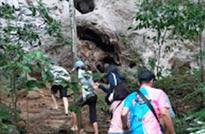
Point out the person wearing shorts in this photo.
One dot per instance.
(59, 74)
(62, 91)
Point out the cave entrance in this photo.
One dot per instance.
(105, 49)
(85, 6)
(102, 41)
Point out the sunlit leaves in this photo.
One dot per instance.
(181, 18)
(33, 83)
(7, 11)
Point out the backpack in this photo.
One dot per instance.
(120, 92)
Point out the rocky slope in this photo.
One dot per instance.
(104, 38)
(36, 109)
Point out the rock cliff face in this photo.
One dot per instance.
(104, 38)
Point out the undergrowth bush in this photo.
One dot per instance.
(7, 125)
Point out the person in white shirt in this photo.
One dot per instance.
(59, 75)
(89, 95)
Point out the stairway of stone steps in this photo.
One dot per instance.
(58, 117)
(36, 109)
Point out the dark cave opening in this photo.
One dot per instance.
(89, 34)
(103, 64)
(108, 60)
(84, 6)
(133, 64)
(102, 41)
(100, 68)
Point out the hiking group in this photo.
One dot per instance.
(140, 112)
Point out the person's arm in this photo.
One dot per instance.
(164, 106)
(103, 88)
(126, 108)
(124, 113)
(111, 83)
(171, 111)
(167, 120)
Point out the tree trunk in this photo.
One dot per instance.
(202, 54)
(14, 98)
(73, 30)
(74, 48)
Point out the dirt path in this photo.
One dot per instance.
(41, 119)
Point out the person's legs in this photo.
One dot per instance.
(63, 95)
(93, 116)
(54, 91)
(80, 103)
(54, 101)
(95, 127)
(75, 125)
(65, 103)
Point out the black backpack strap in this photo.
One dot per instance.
(111, 115)
(118, 105)
(148, 104)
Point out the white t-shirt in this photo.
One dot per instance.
(59, 74)
(86, 82)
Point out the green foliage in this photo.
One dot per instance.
(186, 90)
(187, 94)
(97, 76)
(182, 19)
(33, 83)
(53, 27)
(101, 104)
(131, 79)
(74, 109)
(21, 32)
(172, 20)
(104, 107)
(6, 119)
(21, 28)
(191, 123)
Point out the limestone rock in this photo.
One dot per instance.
(104, 38)
(33, 95)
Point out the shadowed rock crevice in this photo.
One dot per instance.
(96, 48)
(102, 64)
(132, 64)
(84, 6)
(101, 40)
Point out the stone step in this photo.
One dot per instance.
(60, 117)
(56, 112)
(57, 123)
(34, 110)
(49, 121)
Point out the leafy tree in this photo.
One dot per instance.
(21, 28)
(170, 20)
(178, 21)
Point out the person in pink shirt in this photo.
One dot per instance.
(120, 91)
(116, 126)
(142, 118)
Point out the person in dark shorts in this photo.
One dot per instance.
(63, 92)
(89, 95)
(59, 74)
